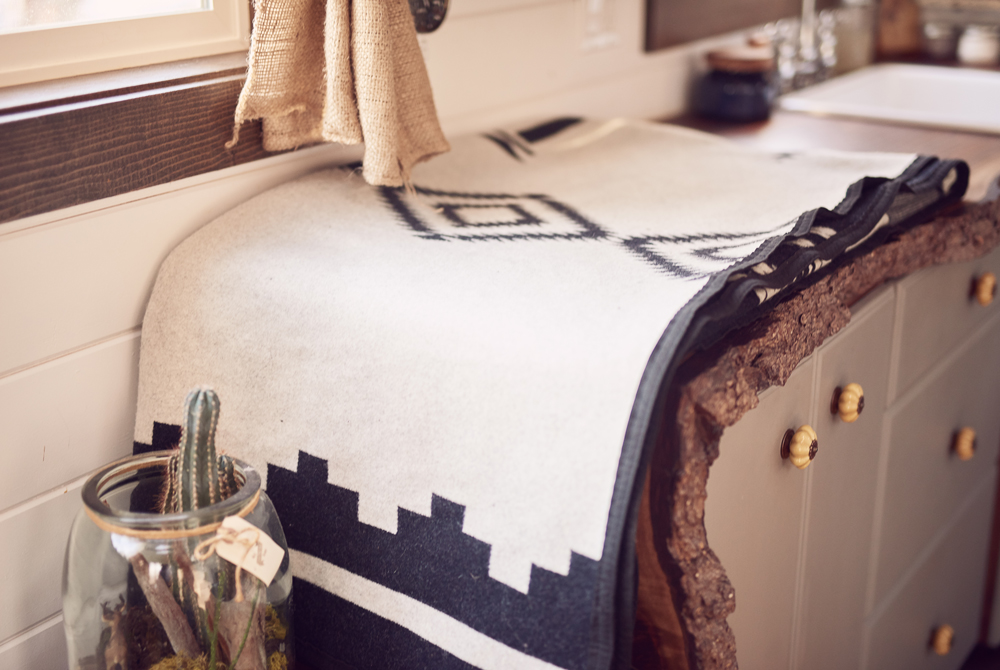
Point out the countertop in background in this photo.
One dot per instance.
(793, 131)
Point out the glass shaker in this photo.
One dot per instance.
(855, 30)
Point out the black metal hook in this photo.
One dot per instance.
(428, 15)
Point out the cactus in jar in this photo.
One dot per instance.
(196, 476)
(195, 616)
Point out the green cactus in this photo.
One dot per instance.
(196, 476)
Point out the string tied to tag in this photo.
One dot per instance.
(247, 538)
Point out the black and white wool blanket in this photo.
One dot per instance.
(449, 391)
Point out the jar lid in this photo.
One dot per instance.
(741, 59)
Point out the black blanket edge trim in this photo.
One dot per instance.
(790, 279)
(615, 593)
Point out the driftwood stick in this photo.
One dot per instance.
(166, 609)
(242, 627)
(115, 654)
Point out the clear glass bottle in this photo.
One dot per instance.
(147, 590)
(940, 40)
(979, 45)
(855, 30)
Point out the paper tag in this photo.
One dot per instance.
(244, 544)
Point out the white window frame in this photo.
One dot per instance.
(37, 55)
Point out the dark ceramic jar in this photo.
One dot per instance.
(740, 85)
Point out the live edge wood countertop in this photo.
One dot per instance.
(684, 595)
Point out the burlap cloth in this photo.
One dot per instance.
(347, 71)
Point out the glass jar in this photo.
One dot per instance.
(740, 85)
(979, 45)
(147, 590)
(940, 40)
(855, 31)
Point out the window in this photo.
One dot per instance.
(673, 22)
(47, 39)
(155, 103)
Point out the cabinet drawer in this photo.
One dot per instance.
(753, 517)
(925, 481)
(945, 589)
(842, 490)
(938, 312)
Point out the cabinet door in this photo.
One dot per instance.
(945, 588)
(753, 517)
(842, 490)
(938, 312)
(926, 483)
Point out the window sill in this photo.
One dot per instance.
(72, 141)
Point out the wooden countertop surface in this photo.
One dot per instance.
(794, 131)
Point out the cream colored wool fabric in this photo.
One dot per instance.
(438, 357)
(347, 71)
(447, 391)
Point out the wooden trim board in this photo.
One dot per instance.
(60, 148)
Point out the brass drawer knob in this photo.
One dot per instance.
(850, 403)
(986, 288)
(964, 445)
(800, 446)
(942, 639)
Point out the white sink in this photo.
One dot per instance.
(924, 95)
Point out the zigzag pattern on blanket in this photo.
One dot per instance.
(431, 560)
(547, 218)
(485, 217)
(428, 559)
(165, 436)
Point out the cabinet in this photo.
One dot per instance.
(854, 561)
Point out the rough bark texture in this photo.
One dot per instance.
(237, 620)
(166, 609)
(714, 389)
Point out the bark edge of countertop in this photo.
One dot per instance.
(684, 593)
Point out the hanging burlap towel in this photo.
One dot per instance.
(347, 71)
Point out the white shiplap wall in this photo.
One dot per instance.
(74, 283)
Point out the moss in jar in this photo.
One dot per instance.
(182, 663)
(147, 641)
(274, 629)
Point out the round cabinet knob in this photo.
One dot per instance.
(942, 639)
(800, 446)
(965, 444)
(986, 288)
(851, 403)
